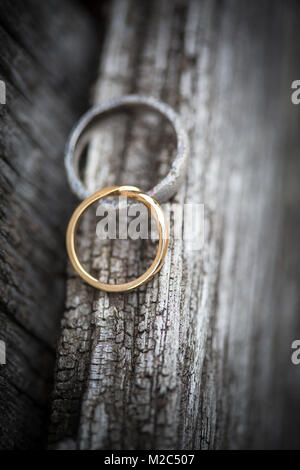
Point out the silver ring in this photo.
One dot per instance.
(80, 134)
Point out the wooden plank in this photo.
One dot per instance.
(45, 92)
(198, 357)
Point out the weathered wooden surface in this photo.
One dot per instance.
(46, 90)
(198, 358)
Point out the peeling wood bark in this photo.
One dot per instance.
(45, 92)
(197, 358)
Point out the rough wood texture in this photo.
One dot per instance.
(198, 358)
(45, 92)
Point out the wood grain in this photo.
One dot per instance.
(46, 90)
(198, 358)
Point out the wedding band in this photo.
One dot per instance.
(156, 211)
(80, 134)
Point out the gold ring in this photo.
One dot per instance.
(134, 193)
